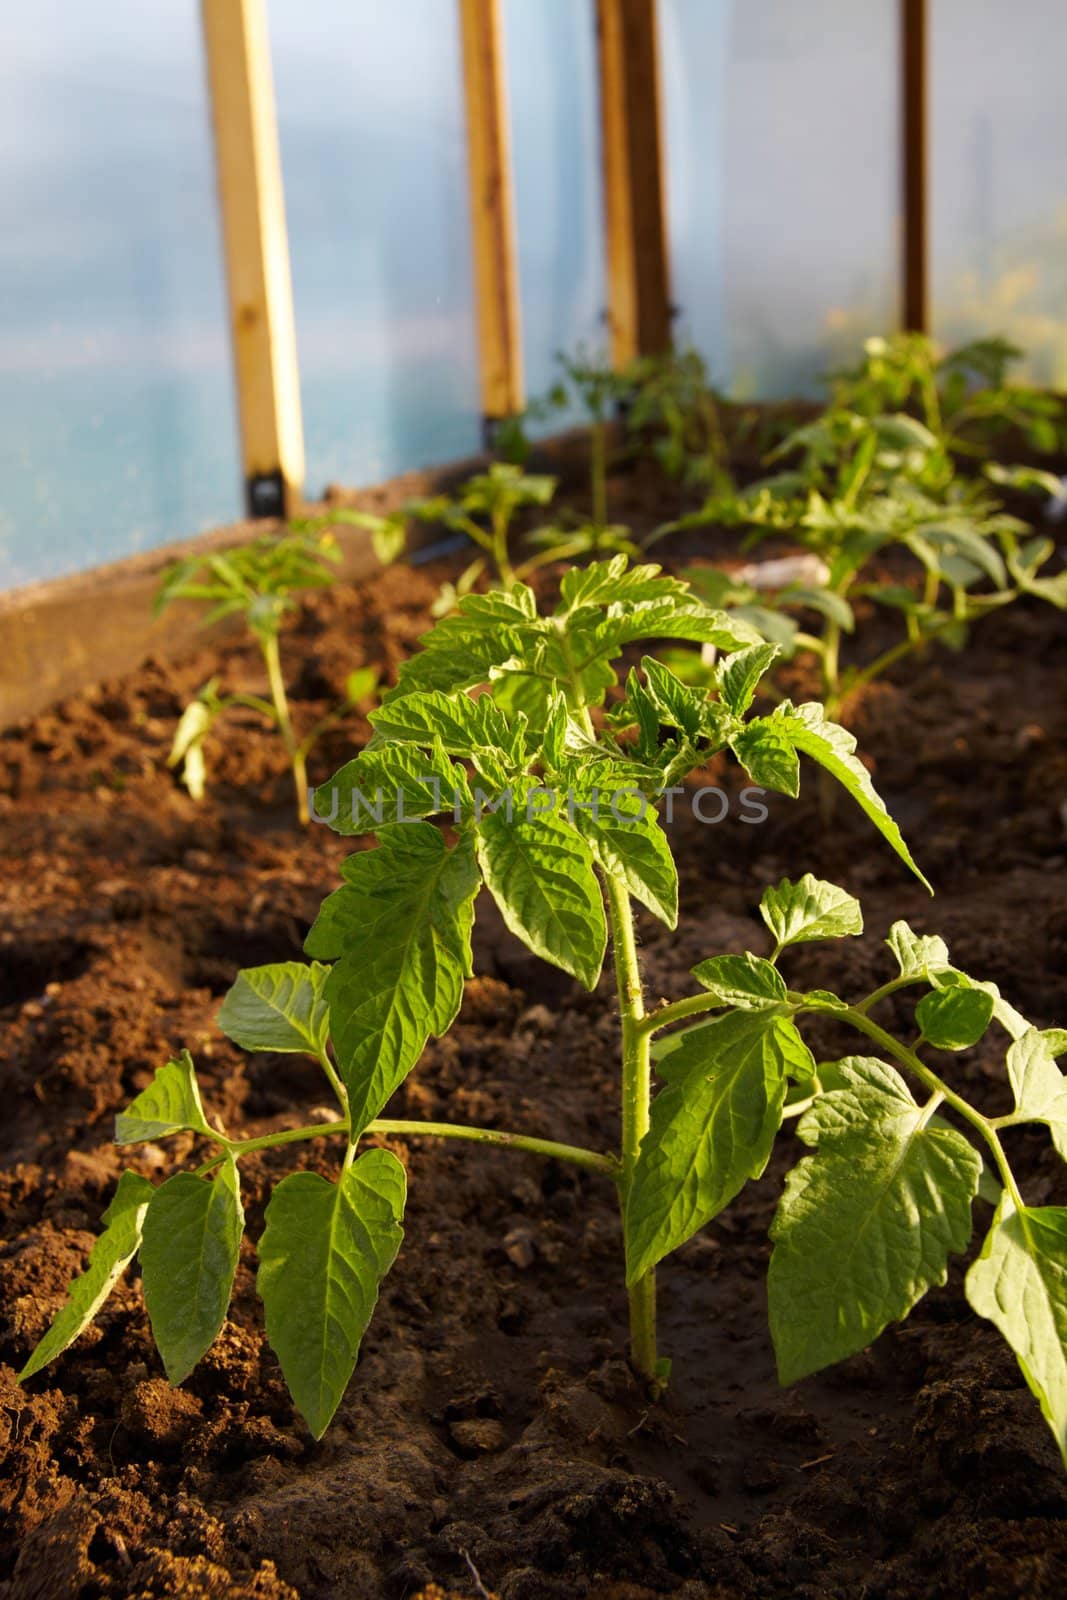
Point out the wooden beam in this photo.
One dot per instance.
(257, 254)
(496, 277)
(914, 52)
(639, 312)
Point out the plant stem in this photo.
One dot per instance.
(591, 1160)
(501, 559)
(599, 471)
(677, 1011)
(911, 1062)
(335, 1080)
(297, 758)
(636, 1096)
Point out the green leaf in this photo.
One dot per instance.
(539, 871)
(280, 1007)
(323, 1254)
(387, 784)
(1020, 1283)
(811, 908)
(712, 1128)
(607, 582)
(462, 723)
(745, 981)
(677, 705)
(626, 838)
(111, 1255)
(833, 748)
(825, 601)
(738, 675)
(866, 1225)
(1039, 1086)
(957, 540)
(170, 1104)
(399, 932)
(192, 1239)
(917, 954)
(767, 755)
(955, 1017)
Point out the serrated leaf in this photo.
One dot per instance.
(602, 582)
(192, 1239)
(460, 722)
(713, 1126)
(278, 1007)
(833, 748)
(170, 1104)
(1039, 1086)
(323, 1254)
(388, 784)
(745, 981)
(956, 1017)
(1020, 1283)
(399, 935)
(626, 839)
(677, 705)
(810, 908)
(767, 755)
(866, 1225)
(111, 1255)
(739, 674)
(539, 871)
(917, 954)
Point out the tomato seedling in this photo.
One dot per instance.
(863, 486)
(256, 581)
(965, 397)
(518, 772)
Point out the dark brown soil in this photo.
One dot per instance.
(492, 1426)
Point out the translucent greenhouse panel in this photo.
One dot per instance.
(117, 428)
(999, 148)
(373, 143)
(552, 88)
(783, 183)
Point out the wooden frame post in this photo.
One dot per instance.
(257, 254)
(914, 51)
(639, 310)
(492, 204)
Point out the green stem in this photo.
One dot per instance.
(335, 1080)
(636, 1075)
(599, 471)
(677, 1011)
(591, 1160)
(636, 1101)
(501, 559)
(297, 756)
(926, 1076)
(549, 1149)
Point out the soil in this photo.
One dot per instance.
(493, 1439)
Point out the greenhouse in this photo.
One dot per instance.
(533, 801)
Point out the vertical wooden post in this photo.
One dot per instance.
(913, 116)
(257, 254)
(492, 210)
(636, 236)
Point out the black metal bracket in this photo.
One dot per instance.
(265, 495)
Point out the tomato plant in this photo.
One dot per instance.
(549, 800)
(257, 582)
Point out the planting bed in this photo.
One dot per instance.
(492, 1426)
